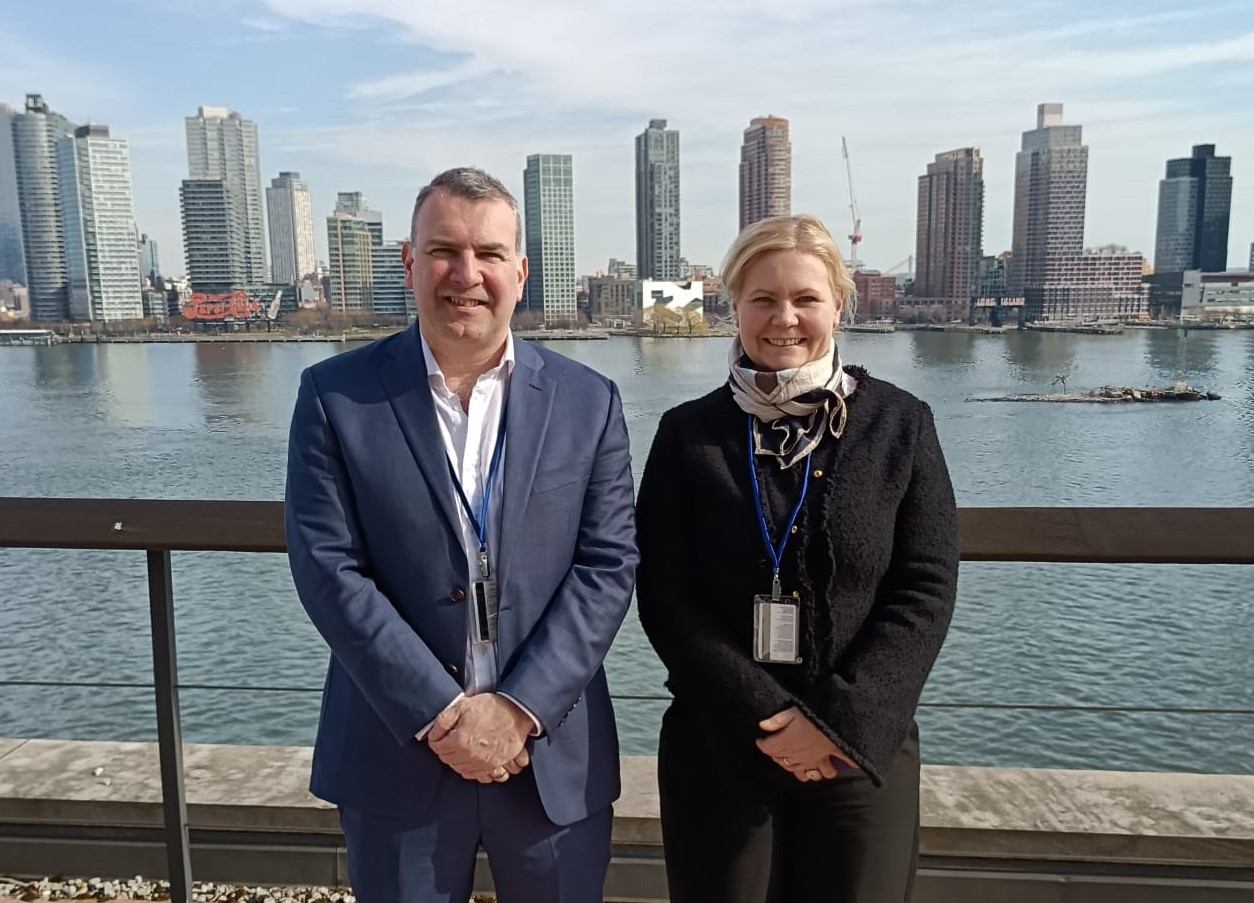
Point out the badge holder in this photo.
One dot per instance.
(484, 601)
(776, 623)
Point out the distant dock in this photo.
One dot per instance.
(1076, 327)
(27, 337)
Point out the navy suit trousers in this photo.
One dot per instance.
(432, 859)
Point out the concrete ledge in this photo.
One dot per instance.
(1048, 834)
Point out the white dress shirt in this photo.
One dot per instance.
(469, 438)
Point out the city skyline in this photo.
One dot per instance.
(1145, 81)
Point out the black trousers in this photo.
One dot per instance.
(743, 840)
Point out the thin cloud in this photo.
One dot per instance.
(903, 80)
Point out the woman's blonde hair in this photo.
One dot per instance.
(802, 232)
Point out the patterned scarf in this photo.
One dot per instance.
(806, 404)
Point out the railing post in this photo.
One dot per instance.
(169, 731)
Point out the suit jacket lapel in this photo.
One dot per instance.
(526, 422)
(404, 377)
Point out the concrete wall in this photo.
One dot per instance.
(1027, 835)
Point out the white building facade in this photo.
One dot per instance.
(98, 221)
(290, 209)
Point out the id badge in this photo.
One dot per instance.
(484, 609)
(776, 627)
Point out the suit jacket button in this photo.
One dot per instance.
(452, 669)
(457, 595)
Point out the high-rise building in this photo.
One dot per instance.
(222, 144)
(549, 214)
(765, 170)
(354, 244)
(1194, 207)
(212, 241)
(1051, 179)
(149, 263)
(950, 226)
(388, 293)
(657, 202)
(98, 221)
(290, 208)
(12, 262)
(1049, 267)
(35, 134)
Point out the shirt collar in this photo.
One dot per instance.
(435, 376)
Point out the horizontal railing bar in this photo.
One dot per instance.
(969, 706)
(142, 525)
(1063, 535)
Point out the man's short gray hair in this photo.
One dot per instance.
(473, 185)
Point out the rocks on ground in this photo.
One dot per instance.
(139, 888)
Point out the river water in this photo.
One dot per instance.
(204, 421)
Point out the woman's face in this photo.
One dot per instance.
(786, 310)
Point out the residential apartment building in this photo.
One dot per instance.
(354, 244)
(389, 296)
(35, 136)
(1051, 181)
(657, 202)
(765, 170)
(289, 206)
(876, 296)
(549, 218)
(222, 144)
(12, 259)
(950, 226)
(98, 223)
(212, 239)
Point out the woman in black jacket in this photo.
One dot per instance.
(797, 596)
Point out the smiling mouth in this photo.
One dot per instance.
(465, 302)
(784, 343)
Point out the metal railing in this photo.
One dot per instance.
(160, 527)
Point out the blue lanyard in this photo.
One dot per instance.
(776, 553)
(480, 523)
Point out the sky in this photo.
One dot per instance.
(379, 95)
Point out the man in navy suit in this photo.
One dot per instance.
(460, 528)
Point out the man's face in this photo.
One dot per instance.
(465, 275)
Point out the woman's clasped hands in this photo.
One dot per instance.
(800, 748)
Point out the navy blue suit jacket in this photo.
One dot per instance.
(375, 553)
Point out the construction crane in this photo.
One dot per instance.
(855, 237)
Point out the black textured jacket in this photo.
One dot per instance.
(875, 557)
